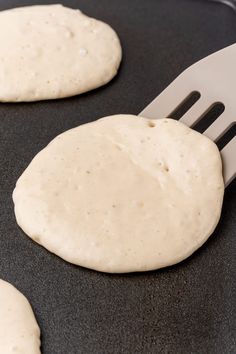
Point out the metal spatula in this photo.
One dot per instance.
(214, 77)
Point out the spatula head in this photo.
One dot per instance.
(214, 79)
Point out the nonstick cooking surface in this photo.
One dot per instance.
(187, 308)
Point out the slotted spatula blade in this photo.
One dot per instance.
(214, 78)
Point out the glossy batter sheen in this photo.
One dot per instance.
(122, 194)
(51, 51)
(19, 332)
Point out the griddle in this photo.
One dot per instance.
(187, 308)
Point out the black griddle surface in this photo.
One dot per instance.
(188, 308)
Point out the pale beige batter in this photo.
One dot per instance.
(19, 332)
(51, 51)
(122, 194)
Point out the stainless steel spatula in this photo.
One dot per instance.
(214, 78)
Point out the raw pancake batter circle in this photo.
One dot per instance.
(19, 331)
(122, 194)
(51, 51)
